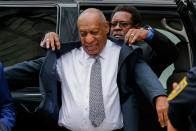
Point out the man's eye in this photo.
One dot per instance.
(83, 34)
(94, 32)
(124, 24)
(113, 24)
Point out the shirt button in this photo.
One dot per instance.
(86, 108)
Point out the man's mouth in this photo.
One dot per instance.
(90, 48)
(118, 36)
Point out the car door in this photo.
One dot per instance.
(187, 12)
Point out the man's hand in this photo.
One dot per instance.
(162, 110)
(170, 127)
(175, 85)
(51, 39)
(136, 35)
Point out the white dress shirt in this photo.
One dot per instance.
(73, 69)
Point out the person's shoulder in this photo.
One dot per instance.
(186, 89)
(71, 43)
(68, 46)
(116, 40)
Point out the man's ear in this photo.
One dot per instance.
(107, 27)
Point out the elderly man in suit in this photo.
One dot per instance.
(99, 80)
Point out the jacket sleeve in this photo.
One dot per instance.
(147, 81)
(24, 74)
(7, 113)
(165, 52)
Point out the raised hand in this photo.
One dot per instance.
(51, 40)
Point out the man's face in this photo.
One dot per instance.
(120, 24)
(93, 34)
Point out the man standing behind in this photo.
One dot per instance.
(7, 114)
(98, 87)
(158, 50)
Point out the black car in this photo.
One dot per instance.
(24, 23)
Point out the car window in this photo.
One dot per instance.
(21, 30)
(176, 71)
(169, 70)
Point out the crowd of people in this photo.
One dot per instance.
(107, 82)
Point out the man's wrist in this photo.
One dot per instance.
(150, 32)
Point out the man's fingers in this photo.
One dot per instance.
(58, 45)
(57, 42)
(43, 43)
(161, 120)
(51, 39)
(46, 40)
(132, 36)
(162, 109)
(175, 85)
(136, 37)
(128, 35)
(131, 39)
(52, 44)
(47, 43)
(166, 117)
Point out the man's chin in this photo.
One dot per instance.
(92, 53)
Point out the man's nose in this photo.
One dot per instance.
(89, 39)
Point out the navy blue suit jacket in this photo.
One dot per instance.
(134, 75)
(7, 114)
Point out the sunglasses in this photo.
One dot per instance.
(121, 24)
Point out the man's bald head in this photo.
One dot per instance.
(91, 13)
(93, 30)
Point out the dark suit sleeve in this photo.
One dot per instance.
(147, 80)
(24, 74)
(165, 52)
(7, 114)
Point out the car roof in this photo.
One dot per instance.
(102, 1)
(156, 3)
(115, 1)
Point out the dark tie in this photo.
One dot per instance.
(96, 105)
